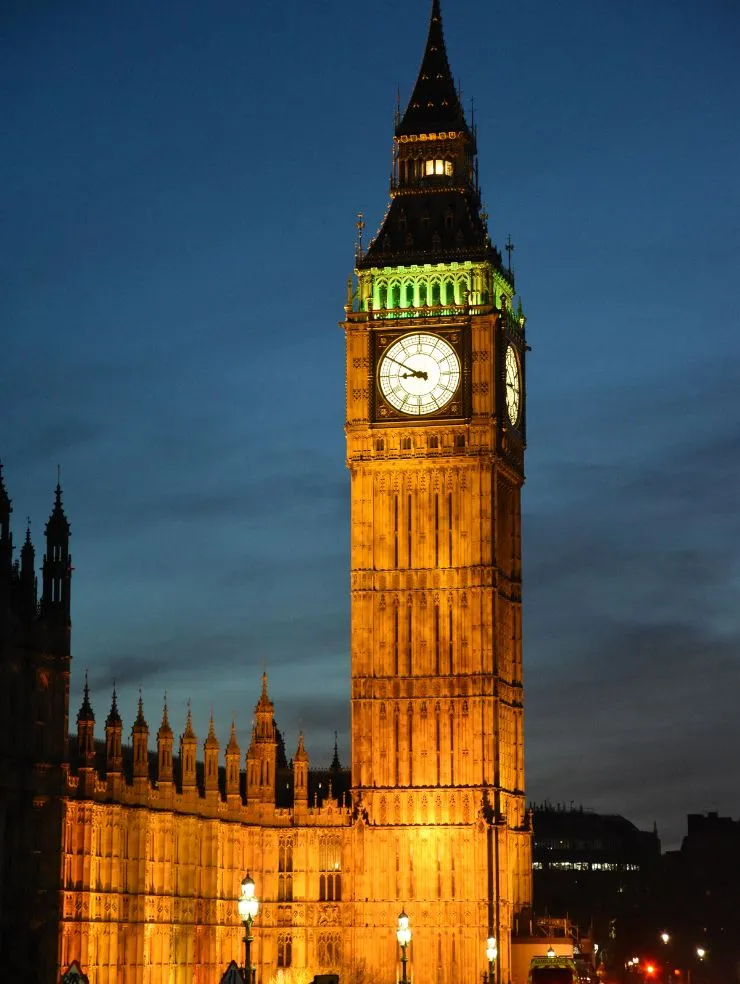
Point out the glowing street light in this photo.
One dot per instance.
(550, 953)
(701, 952)
(403, 935)
(665, 937)
(248, 906)
(491, 954)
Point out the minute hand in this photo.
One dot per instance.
(416, 373)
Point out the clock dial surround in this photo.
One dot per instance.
(513, 383)
(419, 374)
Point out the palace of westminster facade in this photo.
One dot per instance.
(128, 857)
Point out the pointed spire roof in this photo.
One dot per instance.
(165, 731)
(189, 734)
(27, 551)
(264, 703)
(434, 106)
(85, 712)
(140, 722)
(113, 716)
(233, 745)
(58, 522)
(301, 754)
(336, 765)
(211, 741)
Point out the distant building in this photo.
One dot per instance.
(582, 862)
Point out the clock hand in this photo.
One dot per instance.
(412, 372)
(415, 373)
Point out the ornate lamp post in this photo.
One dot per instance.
(403, 935)
(491, 954)
(248, 906)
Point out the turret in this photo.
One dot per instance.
(233, 756)
(210, 762)
(165, 745)
(57, 571)
(300, 776)
(113, 754)
(86, 730)
(86, 743)
(262, 754)
(140, 741)
(188, 752)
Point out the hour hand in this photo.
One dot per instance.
(415, 374)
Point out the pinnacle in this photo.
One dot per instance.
(164, 729)
(113, 716)
(140, 721)
(233, 745)
(86, 712)
(189, 733)
(434, 105)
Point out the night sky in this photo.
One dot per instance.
(179, 185)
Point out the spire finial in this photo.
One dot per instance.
(113, 716)
(140, 720)
(335, 763)
(86, 711)
(360, 226)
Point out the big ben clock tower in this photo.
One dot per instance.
(436, 428)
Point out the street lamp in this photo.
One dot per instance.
(403, 935)
(248, 906)
(550, 953)
(491, 954)
(701, 952)
(665, 937)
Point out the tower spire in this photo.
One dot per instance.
(434, 105)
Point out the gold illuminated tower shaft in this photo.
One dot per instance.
(435, 445)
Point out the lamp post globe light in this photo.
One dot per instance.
(491, 954)
(403, 935)
(248, 906)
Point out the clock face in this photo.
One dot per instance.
(419, 374)
(513, 386)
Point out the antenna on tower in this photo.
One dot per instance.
(360, 226)
(509, 247)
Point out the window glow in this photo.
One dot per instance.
(438, 167)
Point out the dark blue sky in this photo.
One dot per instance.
(178, 188)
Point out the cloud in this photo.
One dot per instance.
(632, 629)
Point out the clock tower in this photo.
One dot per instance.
(436, 429)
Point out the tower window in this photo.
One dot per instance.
(459, 440)
(433, 442)
(405, 443)
(380, 445)
(438, 167)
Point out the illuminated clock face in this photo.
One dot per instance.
(419, 374)
(513, 386)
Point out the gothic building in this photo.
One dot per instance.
(128, 856)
